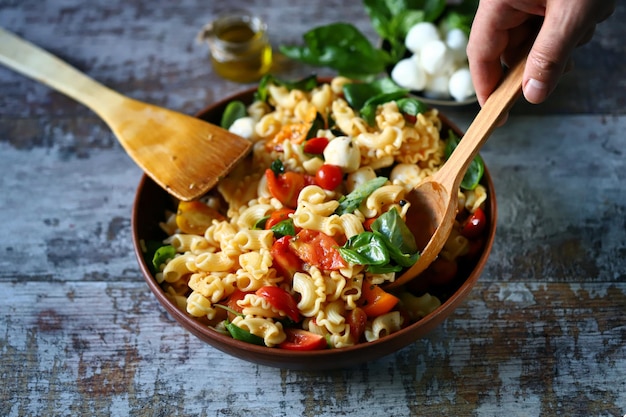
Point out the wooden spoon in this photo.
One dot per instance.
(434, 202)
(184, 155)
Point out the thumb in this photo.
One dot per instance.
(549, 57)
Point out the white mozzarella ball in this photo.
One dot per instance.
(438, 87)
(359, 177)
(243, 127)
(341, 151)
(435, 57)
(419, 34)
(460, 85)
(408, 174)
(456, 40)
(408, 74)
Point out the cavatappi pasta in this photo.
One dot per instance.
(291, 239)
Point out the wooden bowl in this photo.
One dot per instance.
(150, 205)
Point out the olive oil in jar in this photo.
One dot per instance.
(239, 47)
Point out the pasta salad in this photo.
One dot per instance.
(293, 248)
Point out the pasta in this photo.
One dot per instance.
(298, 250)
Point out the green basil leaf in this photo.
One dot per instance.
(397, 236)
(305, 84)
(240, 334)
(365, 249)
(358, 94)
(383, 269)
(412, 106)
(234, 110)
(284, 228)
(352, 201)
(318, 124)
(162, 255)
(476, 169)
(277, 166)
(260, 224)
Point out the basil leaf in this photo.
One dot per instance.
(260, 224)
(358, 94)
(397, 236)
(476, 169)
(277, 166)
(284, 228)
(368, 111)
(304, 84)
(383, 269)
(240, 334)
(339, 46)
(234, 110)
(411, 106)
(365, 248)
(318, 124)
(353, 200)
(162, 255)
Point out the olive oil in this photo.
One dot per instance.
(239, 47)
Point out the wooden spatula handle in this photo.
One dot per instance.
(36, 63)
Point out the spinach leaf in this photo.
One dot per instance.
(234, 110)
(353, 200)
(366, 248)
(476, 169)
(340, 46)
(397, 237)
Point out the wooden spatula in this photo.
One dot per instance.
(184, 155)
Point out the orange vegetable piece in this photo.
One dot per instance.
(195, 217)
(375, 301)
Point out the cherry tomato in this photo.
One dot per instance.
(315, 146)
(231, 302)
(285, 187)
(277, 217)
(357, 319)
(318, 249)
(298, 339)
(285, 261)
(329, 176)
(281, 300)
(474, 225)
(367, 224)
(410, 118)
(375, 301)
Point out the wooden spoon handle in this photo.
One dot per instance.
(36, 63)
(498, 104)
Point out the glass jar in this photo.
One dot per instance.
(239, 47)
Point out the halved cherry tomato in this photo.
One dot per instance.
(298, 339)
(367, 224)
(285, 187)
(315, 146)
(285, 261)
(195, 217)
(318, 249)
(329, 176)
(357, 319)
(410, 118)
(231, 303)
(280, 300)
(375, 301)
(474, 225)
(277, 217)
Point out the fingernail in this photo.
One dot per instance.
(535, 91)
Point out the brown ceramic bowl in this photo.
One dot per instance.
(149, 208)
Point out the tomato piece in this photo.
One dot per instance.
(318, 249)
(298, 339)
(357, 319)
(474, 225)
(285, 187)
(441, 271)
(231, 302)
(285, 261)
(280, 300)
(410, 118)
(367, 224)
(329, 176)
(315, 146)
(195, 217)
(277, 217)
(375, 301)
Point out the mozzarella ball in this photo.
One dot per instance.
(460, 85)
(243, 127)
(419, 34)
(438, 87)
(408, 74)
(359, 177)
(456, 40)
(435, 57)
(408, 174)
(341, 151)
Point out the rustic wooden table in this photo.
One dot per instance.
(543, 332)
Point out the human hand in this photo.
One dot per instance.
(502, 29)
